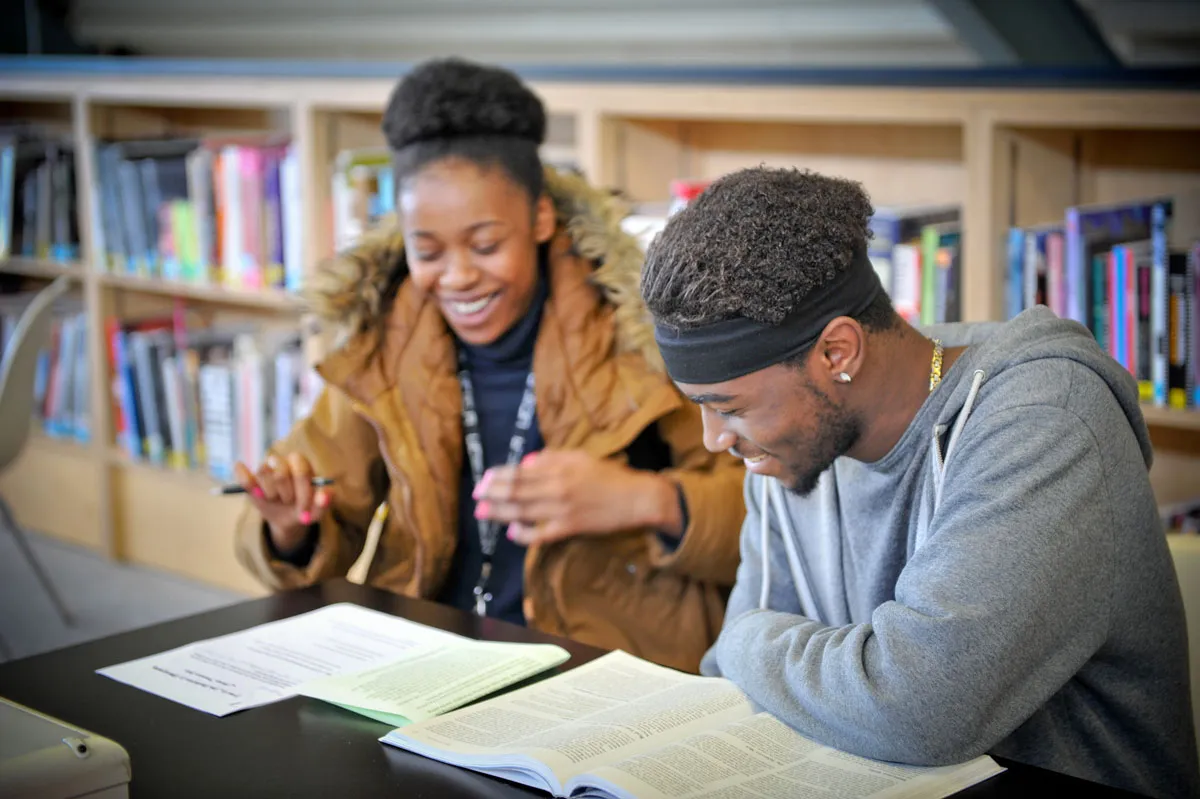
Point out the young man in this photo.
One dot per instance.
(951, 546)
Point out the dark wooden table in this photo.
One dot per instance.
(298, 747)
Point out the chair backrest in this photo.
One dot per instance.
(1185, 552)
(19, 368)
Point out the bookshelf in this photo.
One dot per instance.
(33, 267)
(1006, 156)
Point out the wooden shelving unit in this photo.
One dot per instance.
(1008, 156)
(266, 300)
(1173, 419)
(32, 267)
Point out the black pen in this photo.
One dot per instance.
(235, 488)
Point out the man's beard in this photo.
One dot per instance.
(837, 433)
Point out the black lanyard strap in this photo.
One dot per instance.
(489, 530)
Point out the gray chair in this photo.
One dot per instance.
(17, 370)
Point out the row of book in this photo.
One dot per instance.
(62, 381)
(917, 253)
(192, 398)
(37, 195)
(212, 211)
(1119, 270)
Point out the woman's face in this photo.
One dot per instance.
(471, 240)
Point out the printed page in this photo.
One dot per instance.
(427, 682)
(762, 757)
(266, 663)
(615, 707)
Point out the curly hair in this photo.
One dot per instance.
(754, 244)
(451, 108)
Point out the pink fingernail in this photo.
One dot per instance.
(481, 510)
(305, 517)
(256, 491)
(483, 485)
(528, 459)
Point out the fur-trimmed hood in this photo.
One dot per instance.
(349, 290)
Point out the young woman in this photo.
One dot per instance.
(499, 387)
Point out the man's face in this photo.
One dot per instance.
(779, 421)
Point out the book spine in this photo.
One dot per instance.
(929, 275)
(45, 205)
(217, 265)
(1177, 332)
(289, 187)
(1074, 269)
(83, 383)
(60, 247)
(144, 370)
(233, 239)
(253, 261)
(135, 225)
(151, 203)
(885, 229)
(273, 218)
(200, 188)
(216, 403)
(1159, 220)
(123, 377)
(1018, 293)
(177, 457)
(907, 279)
(115, 258)
(1191, 289)
(1051, 254)
(1114, 267)
(8, 157)
(120, 416)
(168, 244)
(160, 349)
(1145, 338)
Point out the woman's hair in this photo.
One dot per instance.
(451, 108)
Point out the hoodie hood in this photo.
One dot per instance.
(1034, 335)
(351, 291)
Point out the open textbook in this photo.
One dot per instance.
(621, 727)
(372, 663)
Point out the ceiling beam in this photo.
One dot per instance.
(1031, 33)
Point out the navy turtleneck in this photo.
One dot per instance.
(498, 374)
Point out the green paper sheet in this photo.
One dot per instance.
(433, 679)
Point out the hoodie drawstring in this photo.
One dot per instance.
(940, 463)
(771, 501)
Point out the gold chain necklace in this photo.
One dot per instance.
(935, 368)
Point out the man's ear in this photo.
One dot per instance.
(840, 351)
(544, 222)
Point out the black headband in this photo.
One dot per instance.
(721, 351)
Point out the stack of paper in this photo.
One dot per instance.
(381, 666)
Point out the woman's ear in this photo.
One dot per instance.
(544, 222)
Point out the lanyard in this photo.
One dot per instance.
(488, 531)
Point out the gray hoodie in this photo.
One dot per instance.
(998, 583)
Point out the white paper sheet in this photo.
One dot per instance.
(266, 663)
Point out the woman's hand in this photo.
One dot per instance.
(557, 494)
(283, 493)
